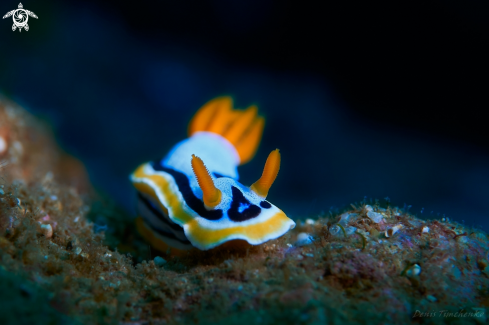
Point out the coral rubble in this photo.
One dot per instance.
(372, 263)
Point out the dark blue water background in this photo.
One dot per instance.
(118, 96)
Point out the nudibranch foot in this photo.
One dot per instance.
(192, 197)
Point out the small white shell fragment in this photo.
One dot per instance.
(3, 145)
(456, 272)
(431, 298)
(77, 251)
(425, 229)
(159, 261)
(391, 231)
(350, 230)
(375, 216)
(414, 270)
(334, 230)
(362, 232)
(345, 217)
(310, 222)
(48, 177)
(369, 208)
(47, 230)
(303, 239)
(18, 147)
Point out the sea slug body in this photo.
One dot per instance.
(192, 197)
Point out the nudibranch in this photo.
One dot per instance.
(192, 197)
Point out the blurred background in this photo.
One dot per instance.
(365, 100)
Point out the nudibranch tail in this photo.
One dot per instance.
(243, 129)
(211, 194)
(270, 172)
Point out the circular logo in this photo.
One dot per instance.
(20, 17)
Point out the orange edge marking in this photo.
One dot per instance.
(205, 237)
(175, 206)
(256, 232)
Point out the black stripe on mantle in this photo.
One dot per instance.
(160, 216)
(188, 195)
(153, 209)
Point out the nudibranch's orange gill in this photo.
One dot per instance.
(192, 197)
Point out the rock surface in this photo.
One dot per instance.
(372, 263)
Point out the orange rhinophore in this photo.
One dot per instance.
(270, 172)
(211, 195)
